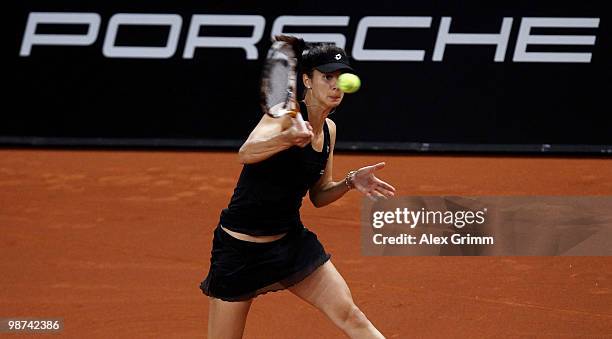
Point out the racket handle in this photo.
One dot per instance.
(300, 121)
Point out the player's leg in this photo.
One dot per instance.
(227, 319)
(326, 290)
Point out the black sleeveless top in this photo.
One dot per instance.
(268, 195)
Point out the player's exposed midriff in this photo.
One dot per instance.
(259, 239)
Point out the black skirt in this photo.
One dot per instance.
(241, 270)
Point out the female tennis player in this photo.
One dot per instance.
(260, 244)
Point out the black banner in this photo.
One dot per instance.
(504, 76)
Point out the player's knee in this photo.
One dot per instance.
(353, 318)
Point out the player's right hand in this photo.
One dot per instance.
(297, 135)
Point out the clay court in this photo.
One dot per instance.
(117, 242)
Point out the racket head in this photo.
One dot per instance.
(279, 78)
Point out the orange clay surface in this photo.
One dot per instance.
(117, 242)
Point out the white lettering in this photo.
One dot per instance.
(446, 38)
(376, 222)
(333, 21)
(526, 38)
(359, 51)
(194, 40)
(30, 38)
(110, 50)
(458, 239)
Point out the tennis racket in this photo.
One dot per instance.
(279, 79)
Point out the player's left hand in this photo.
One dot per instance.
(367, 183)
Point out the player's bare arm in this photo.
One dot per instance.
(272, 135)
(326, 191)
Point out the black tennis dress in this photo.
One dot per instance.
(266, 201)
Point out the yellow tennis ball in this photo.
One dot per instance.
(349, 83)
